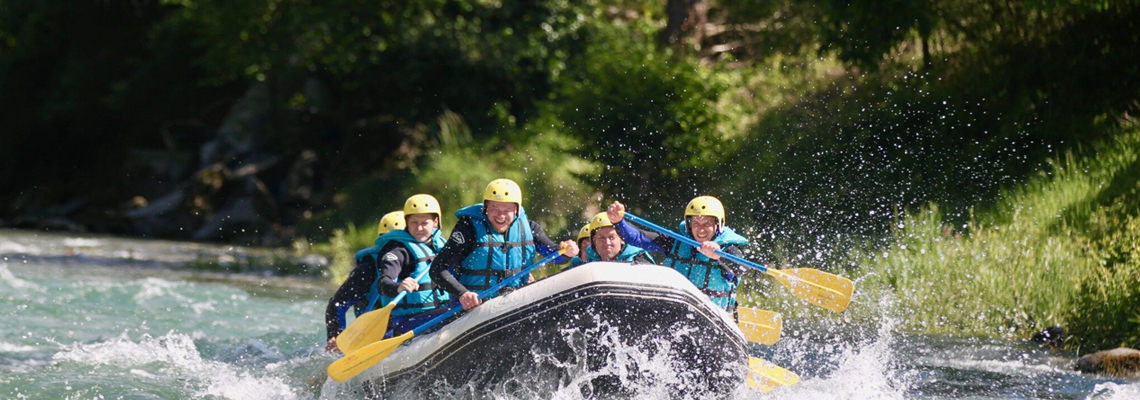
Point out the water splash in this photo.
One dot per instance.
(10, 280)
(174, 355)
(1115, 391)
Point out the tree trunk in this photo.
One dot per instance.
(686, 22)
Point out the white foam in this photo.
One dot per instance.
(863, 372)
(82, 242)
(179, 357)
(200, 307)
(861, 375)
(7, 277)
(143, 374)
(1016, 368)
(6, 347)
(1116, 391)
(151, 288)
(13, 247)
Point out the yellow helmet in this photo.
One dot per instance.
(391, 221)
(599, 221)
(504, 190)
(706, 205)
(422, 204)
(584, 232)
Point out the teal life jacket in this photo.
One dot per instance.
(707, 274)
(367, 303)
(428, 297)
(574, 262)
(496, 256)
(371, 252)
(627, 253)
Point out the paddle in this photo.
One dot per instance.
(823, 289)
(365, 357)
(370, 326)
(765, 376)
(760, 326)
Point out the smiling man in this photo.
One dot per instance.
(704, 222)
(492, 241)
(607, 245)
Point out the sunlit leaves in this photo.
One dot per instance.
(648, 116)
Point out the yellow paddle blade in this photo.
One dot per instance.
(356, 362)
(760, 326)
(829, 291)
(765, 376)
(367, 328)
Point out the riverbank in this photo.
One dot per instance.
(1057, 251)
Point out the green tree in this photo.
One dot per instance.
(650, 119)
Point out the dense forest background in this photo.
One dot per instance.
(824, 125)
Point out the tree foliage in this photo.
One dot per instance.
(648, 118)
(362, 85)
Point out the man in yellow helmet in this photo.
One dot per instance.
(492, 241)
(390, 267)
(704, 222)
(607, 245)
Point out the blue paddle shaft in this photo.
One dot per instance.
(689, 241)
(486, 293)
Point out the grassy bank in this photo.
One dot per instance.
(1059, 251)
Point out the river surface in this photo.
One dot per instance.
(90, 317)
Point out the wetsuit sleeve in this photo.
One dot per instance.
(544, 245)
(394, 266)
(354, 289)
(734, 268)
(458, 247)
(650, 241)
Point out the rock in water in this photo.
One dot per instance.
(1120, 362)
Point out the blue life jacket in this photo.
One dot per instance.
(496, 256)
(627, 253)
(367, 303)
(707, 274)
(427, 298)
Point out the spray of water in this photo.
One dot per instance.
(174, 356)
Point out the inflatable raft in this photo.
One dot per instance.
(605, 327)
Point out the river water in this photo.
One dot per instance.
(90, 317)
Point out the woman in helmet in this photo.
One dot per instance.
(704, 222)
(607, 245)
(492, 241)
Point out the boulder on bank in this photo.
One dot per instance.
(1121, 362)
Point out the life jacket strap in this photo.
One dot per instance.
(500, 273)
(492, 243)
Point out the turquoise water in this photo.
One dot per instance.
(89, 318)
(107, 318)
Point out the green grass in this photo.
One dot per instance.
(1060, 250)
(456, 172)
